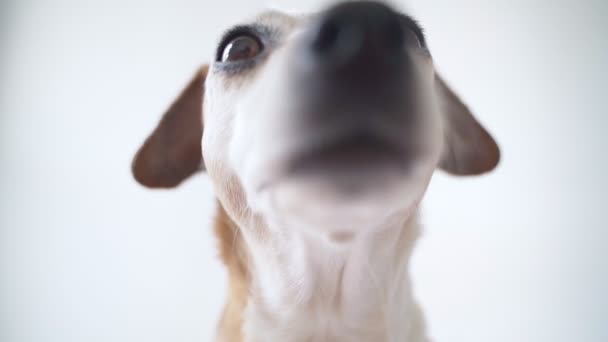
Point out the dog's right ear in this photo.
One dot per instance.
(172, 152)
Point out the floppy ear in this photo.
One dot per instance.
(468, 149)
(172, 152)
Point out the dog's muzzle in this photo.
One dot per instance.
(353, 75)
(346, 140)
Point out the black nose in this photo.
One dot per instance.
(358, 32)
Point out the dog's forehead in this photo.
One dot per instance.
(283, 22)
(276, 18)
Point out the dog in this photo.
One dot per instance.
(320, 134)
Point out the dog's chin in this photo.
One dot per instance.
(340, 192)
(339, 204)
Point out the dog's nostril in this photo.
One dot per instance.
(328, 34)
(338, 41)
(353, 31)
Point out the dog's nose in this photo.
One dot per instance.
(354, 60)
(360, 32)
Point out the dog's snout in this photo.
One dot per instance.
(353, 68)
(358, 32)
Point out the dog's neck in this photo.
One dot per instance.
(301, 288)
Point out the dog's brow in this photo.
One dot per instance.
(252, 28)
(276, 19)
(239, 29)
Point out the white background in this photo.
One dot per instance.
(88, 255)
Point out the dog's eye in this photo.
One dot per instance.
(241, 48)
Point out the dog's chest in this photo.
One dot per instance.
(320, 318)
(313, 326)
(327, 298)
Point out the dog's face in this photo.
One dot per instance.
(329, 121)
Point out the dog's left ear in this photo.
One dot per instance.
(172, 152)
(468, 149)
